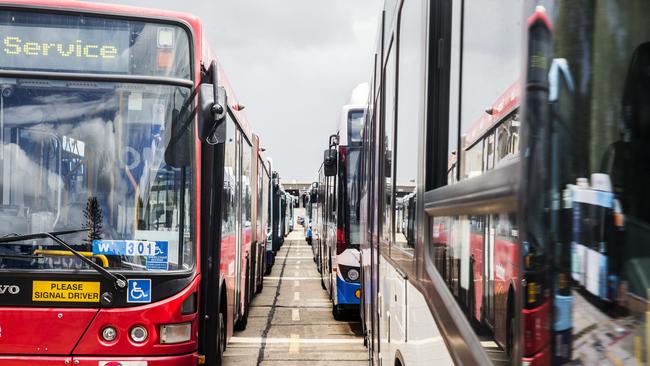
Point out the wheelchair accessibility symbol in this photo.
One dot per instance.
(139, 291)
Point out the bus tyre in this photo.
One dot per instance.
(221, 338)
(337, 311)
(510, 320)
(243, 320)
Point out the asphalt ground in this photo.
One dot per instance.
(290, 321)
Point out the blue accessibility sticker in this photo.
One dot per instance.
(159, 261)
(139, 291)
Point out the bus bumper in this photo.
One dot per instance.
(346, 292)
(23, 360)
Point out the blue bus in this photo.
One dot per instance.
(338, 254)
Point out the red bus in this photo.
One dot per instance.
(118, 242)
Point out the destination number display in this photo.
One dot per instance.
(64, 49)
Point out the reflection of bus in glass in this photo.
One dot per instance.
(117, 189)
(339, 248)
(484, 263)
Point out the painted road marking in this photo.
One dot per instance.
(258, 340)
(296, 283)
(297, 262)
(295, 315)
(294, 345)
(296, 296)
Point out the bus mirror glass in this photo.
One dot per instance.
(177, 140)
(212, 114)
(329, 162)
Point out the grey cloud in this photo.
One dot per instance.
(292, 63)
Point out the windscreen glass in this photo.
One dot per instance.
(111, 158)
(83, 44)
(353, 196)
(355, 125)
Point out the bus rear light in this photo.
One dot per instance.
(138, 334)
(175, 333)
(189, 305)
(341, 245)
(536, 329)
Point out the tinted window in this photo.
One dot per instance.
(389, 126)
(355, 125)
(409, 115)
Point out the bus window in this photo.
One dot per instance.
(389, 124)
(411, 70)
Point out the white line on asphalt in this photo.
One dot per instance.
(258, 340)
(295, 315)
(294, 346)
(297, 262)
(296, 296)
(296, 283)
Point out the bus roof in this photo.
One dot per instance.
(507, 102)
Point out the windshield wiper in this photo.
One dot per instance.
(119, 281)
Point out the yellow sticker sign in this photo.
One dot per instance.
(65, 291)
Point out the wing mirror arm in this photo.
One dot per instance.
(213, 102)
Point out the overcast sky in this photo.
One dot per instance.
(293, 65)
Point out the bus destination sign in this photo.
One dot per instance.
(64, 49)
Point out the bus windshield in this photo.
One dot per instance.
(112, 158)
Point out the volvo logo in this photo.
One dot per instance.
(9, 289)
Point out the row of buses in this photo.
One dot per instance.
(492, 200)
(334, 211)
(137, 211)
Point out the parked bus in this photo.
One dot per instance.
(289, 213)
(529, 224)
(119, 243)
(339, 252)
(441, 263)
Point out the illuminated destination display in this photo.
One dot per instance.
(64, 49)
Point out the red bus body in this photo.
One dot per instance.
(70, 335)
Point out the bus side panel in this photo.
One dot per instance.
(425, 345)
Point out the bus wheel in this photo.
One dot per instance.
(337, 311)
(260, 286)
(221, 338)
(510, 320)
(243, 320)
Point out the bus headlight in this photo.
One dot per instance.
(138, 334)
(175, 333)
(109, 334)
(353, 274)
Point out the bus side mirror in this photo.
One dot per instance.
(329, 162)
(212, 114)
(178, 138)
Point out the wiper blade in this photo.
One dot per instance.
(118, 280)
